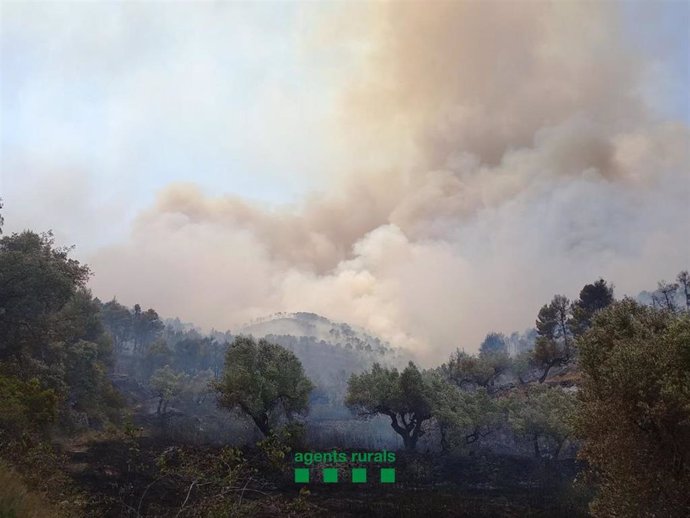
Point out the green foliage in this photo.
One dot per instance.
(542, 412)
(277, 446)
(118, 321)
(463, 416)
(554, 336)
(37, 280)
(167, 384)
(157, 355)
(50, 329)
(406, 398)
(494, 343)
(522, 365)
(146, 327)
(25, 408)
(449, 403)
(634, 415)
(593, 298)
(134, 333)
(479, 371)
(264, 380)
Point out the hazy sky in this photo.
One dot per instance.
(428, 170)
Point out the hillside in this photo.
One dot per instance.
(330, 353)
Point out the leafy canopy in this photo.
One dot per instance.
(264, 380)
(50, 329)
(542, 412)
(405, 397)
(634, 414)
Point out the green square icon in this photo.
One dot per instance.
(301, 475)
(330, 475)
(387, 475)
(359, 475)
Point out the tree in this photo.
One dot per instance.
(264, 380)
(494, 343)
(542, 413)
(634, 412)
(37, 279)
(448, 409)
(25, 408)
(167, 384)
(405, 397)
(463, 417)
(554, 337)
(522, 365)
(480, 371)
(85, 356)
(146, 327)
(684, 282)
(2, 220)
(117, 319)
(193, 354)
(593, 298)
(665, 295)
(158, 355)
(50, 328)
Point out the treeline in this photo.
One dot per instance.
(55, 356)
(622, 393)
(470, 398)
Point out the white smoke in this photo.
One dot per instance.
(502, 153)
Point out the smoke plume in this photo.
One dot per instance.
(502, 152)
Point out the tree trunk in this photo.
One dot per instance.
(409, 435)
(537, 453)
(546, 373)
(550, 365)
(410, 442)
(261, 423)
(444, 439)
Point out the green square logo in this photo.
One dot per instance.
(359, 475)
(387, 475)
(301, 475)
(330, 475)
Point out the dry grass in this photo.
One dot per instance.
(17, 501)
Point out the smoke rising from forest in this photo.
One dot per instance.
(500, 152)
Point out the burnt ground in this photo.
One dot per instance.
(122, 479)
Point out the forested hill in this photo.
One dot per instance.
(325, 347)
(330, 353)
(311, 325)
(166, 366)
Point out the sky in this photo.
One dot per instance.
(429, 171)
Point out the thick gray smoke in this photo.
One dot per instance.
(502, 152)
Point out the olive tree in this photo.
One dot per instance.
(544, 415)
(468, 371)
(265, 381)
(463, 416)
(405, 397)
